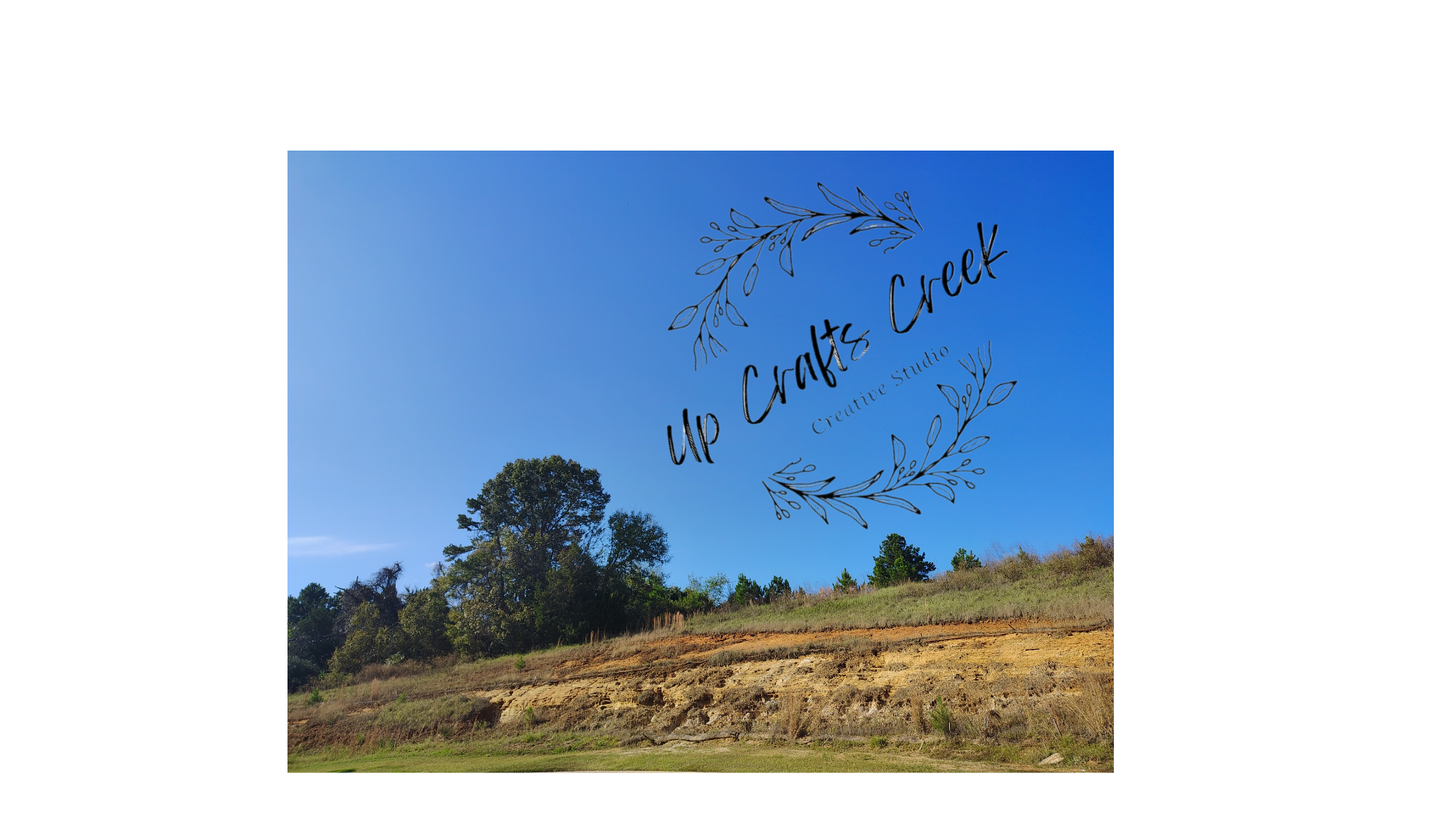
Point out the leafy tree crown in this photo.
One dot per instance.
(898, 562)
(966, 560)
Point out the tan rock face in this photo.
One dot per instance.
(989, 679)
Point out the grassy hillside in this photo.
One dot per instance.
(1066, 586)
(1000, 665)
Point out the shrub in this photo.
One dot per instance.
(369, 641)
(940, 718)
(424, 624)
(898, 562)
(1016, 567)
(793, 715)
(299, 671)
(745, 591)
(966, 560)
(520, 663)
(776, 589)
(1096, 552)
(845, 582)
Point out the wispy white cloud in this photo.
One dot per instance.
(327, 546)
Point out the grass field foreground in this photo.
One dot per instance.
(989, 669)
(556, 751)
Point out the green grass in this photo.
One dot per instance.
(1037, 591)
(1065, 586)
(571, 752)
(435, 717)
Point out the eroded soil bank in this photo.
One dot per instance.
(993, 682)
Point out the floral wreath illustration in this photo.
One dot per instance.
(789, 495)
(777, 239)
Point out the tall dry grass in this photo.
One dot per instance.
(1070, 584)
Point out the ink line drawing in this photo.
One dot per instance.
(745, 236)
(788, 494)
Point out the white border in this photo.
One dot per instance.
(1273, 190)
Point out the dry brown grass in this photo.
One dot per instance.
(1074, 583)
(793, 716)
(1000, 692)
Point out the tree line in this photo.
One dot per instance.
(545, 565)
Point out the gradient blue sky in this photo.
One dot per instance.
(451, 312)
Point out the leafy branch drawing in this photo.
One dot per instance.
(787, 493)
(745, 236)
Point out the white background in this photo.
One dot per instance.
(1277, 187)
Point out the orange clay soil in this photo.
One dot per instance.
(847, 683)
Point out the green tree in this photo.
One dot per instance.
(424, 624)
(378, 591)
(632, 588)
(713, 590)
(311, 635)
(778, 588)
(493, 596)
(898, 562)
(529, 575)
(845, 582)
(549, 501)
(745, 591)
(367, 641)
(965, 560)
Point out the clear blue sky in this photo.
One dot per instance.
(451, 312)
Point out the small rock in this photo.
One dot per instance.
(1051, 759)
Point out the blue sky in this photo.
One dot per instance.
(451, 312)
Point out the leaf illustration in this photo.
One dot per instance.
(934, 428)
(942, 490)
(897, 502)
(854, 489)
(971, 445)
(872, 224)
(813, 487)
(849, 511)
(995, 398)
(710, 266)
(823, 224)
(785, 258)
(699, 355)
(733, 315)
(835, 199)
(679, 321)
(788, 208)
(742, 219)
(899, 450)
(867, 203)
(950, 393)
(817, 508)
(750, 280)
